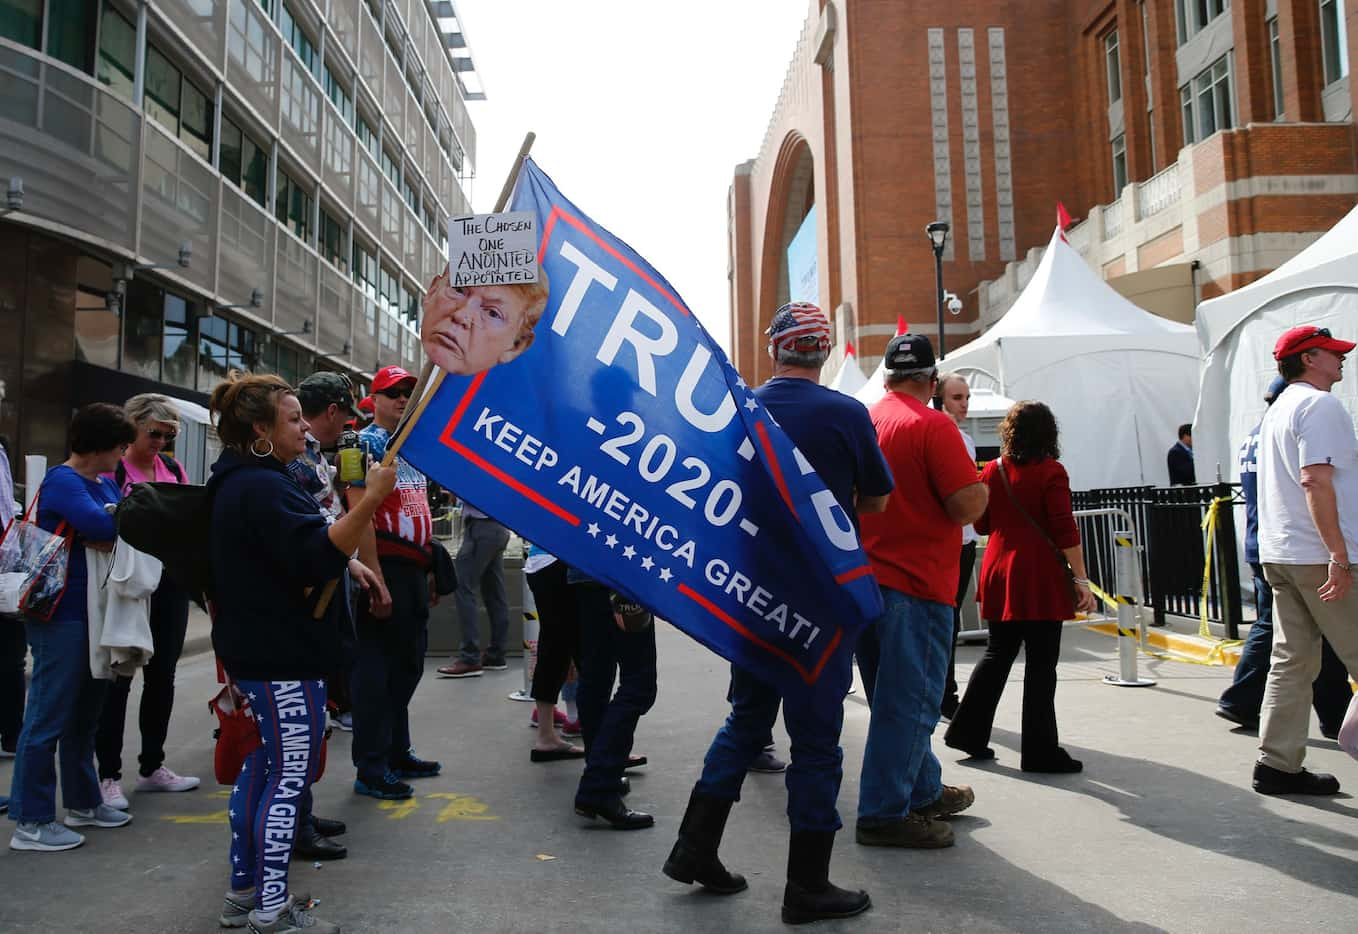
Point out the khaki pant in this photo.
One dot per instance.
(1300, 618)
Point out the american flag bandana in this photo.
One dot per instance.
(798, 323)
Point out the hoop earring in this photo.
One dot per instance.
(255, 451)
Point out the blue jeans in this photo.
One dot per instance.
(1330, 694)
(608, 724)
(900, 771)
(60, 721)
(813, 719)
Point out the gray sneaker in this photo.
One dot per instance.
(100, 816)
(296, 916)
(44, 838)
(236, 910)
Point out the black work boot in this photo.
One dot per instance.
(810, 895)
(694, 857)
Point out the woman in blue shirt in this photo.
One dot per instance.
(64, 699)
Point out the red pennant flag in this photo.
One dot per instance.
(1062, 220)
(848, 349)
(901, 326)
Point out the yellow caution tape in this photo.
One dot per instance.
(1209, 524)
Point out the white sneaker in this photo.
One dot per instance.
(101, 816)
(112, 793)
(162, 779)
(44, 838)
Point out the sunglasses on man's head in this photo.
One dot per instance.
(396, 392)
(158, 435)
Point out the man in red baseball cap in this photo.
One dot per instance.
(391, 649)
(1308, 538)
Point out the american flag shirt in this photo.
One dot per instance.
(405, 513)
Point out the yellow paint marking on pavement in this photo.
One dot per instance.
(225, 793)
(400, 810)
(462, 807)
(217, 817)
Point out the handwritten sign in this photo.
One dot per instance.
(492, 249)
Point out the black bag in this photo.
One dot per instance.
(172, 522)
(445, 572)
(172, 465)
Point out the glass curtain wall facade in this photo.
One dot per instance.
(307, 152)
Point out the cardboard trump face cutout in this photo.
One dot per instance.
(471, 329)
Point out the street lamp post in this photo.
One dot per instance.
(938, 239)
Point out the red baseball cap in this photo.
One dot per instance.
(366, 404)
(1309, 337)
(390, 376)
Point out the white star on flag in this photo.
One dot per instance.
(665, 574)
(231, 813)
(647, 563)
(593, 530)
(629, 552)
(611, 541)
(251, 695)
(235, 836)
(740, 381)
(751, 404)
(235, 859)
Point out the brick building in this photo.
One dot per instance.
(1202, 142)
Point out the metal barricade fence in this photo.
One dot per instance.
(1113, 563)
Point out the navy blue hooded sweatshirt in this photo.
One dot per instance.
(269, 544)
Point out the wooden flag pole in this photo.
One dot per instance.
(420, 395)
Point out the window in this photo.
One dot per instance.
(117, 52)
(177, 343)
(1194, 15)
(267, 7)
(176, 104)
(195, 120)
(244, 162)
(21, 20)
(292, 206)
(294, 36)
(1113, 61)
(1333, 42)
(70, 31)
(412, 199)
(1119, 165)
(366, 137)
(339, 96)
(143, 329)
(391, 167)
(1275, 51)
(1207, 102)
(332, 241)
(365, 280)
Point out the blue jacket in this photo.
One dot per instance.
(269, 544)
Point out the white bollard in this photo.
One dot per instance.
(1128, 598)
(530, 643)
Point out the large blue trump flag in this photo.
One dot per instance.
(623, 442)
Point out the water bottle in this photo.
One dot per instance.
(350, 457)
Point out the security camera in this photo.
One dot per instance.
(185, 254)
(14, 194)
(954, 304)
(256, 298)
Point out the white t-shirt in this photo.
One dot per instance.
(1303, 428)
(968, 533)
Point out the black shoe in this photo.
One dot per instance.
(624, 787)
(618, 815)
(1227, 714)
(694, 856)
(493, 662)
(1329, 733)
(311, 845)
(412, 766)
(386, 788)
(979, 753)
(1056, 763)
(1271, 781)
(328, 828)
(809, 894)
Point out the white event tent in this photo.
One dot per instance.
(850, 377)
(1236, 333)
(1119, 379)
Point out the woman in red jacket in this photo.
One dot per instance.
(1024, 591)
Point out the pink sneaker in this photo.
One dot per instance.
(571, 729)
(112, 793)
(558, 717)
(162, 779)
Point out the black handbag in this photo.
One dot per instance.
(445, 572)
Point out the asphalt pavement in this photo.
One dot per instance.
(1160, 833)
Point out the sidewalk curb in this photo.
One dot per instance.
(1194, 648)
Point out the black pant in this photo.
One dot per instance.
(13, 652)
(963, 582)
(1041, 640)
(608, 725)
(388, 669)
(558, 630)
(169, 623)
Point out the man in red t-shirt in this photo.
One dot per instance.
(903, 656)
